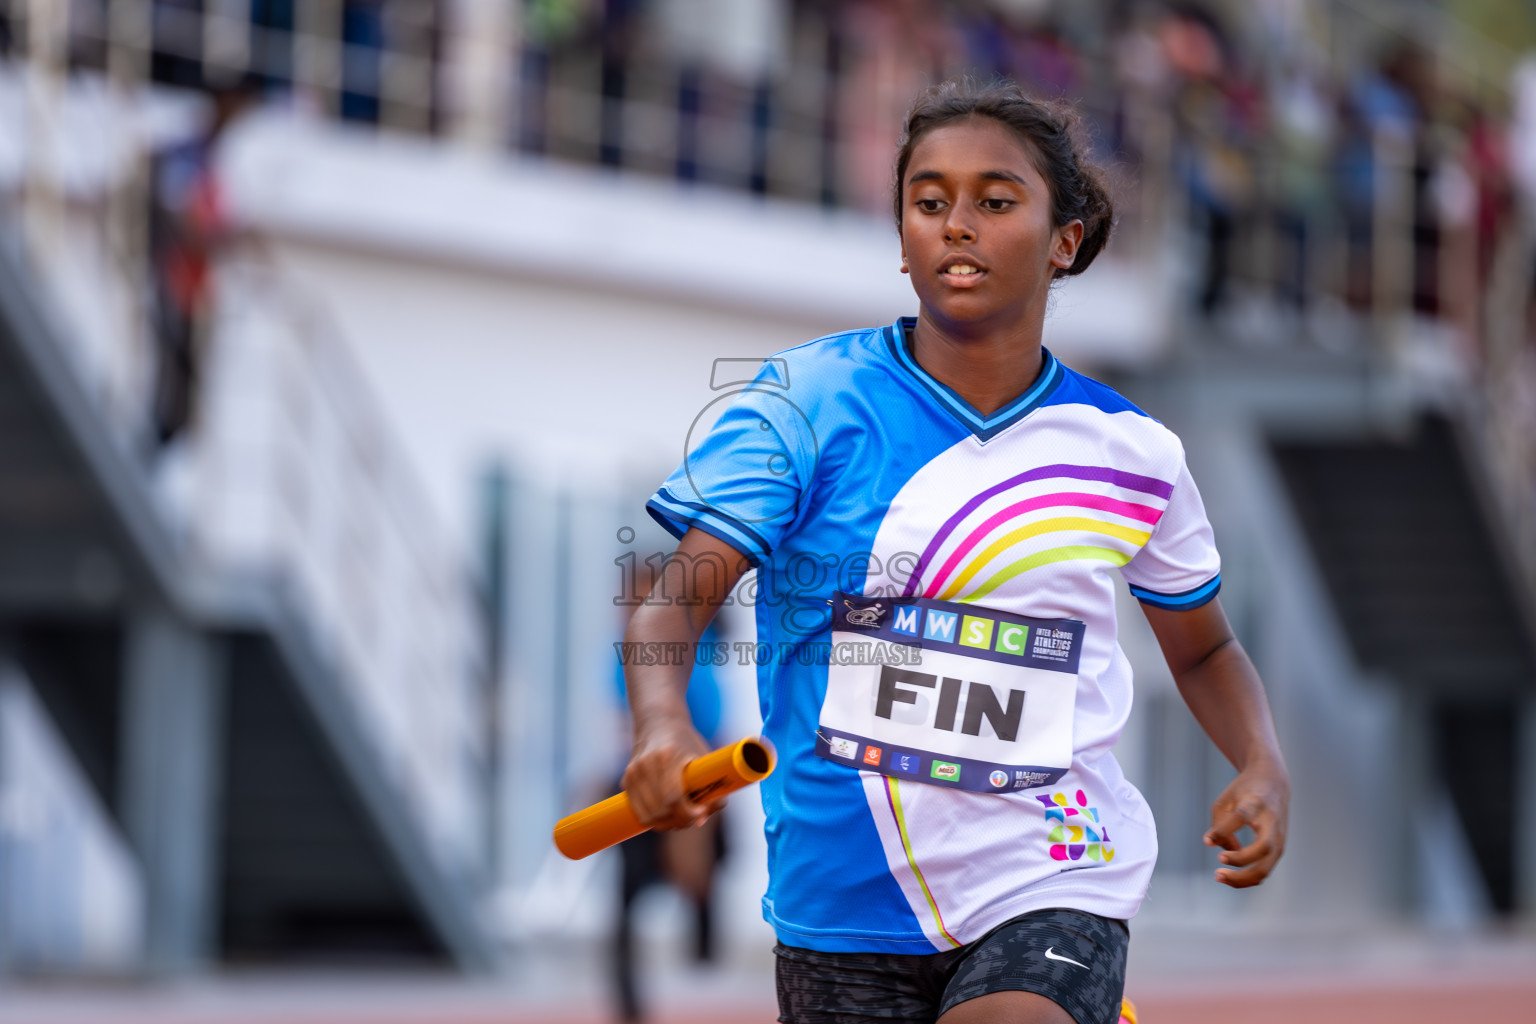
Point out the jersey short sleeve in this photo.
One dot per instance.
(1179, 567)
(745, 482)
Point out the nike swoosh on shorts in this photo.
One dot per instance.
(1050, 954)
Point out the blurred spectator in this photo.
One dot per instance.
(1522, 132)
(1465, 188)
(617, 43)
(1302, 137)
(548, 27)
(1042, 59)
(891, 50)
(362, 81)
(1522, 164)
(1411, 70)
(1213, 111)
(178, 43)
(1489, 163)
(272, 44)
(1144, 81)
(726, 56)
(1295, 162)
(1355, 190)
(188, 222)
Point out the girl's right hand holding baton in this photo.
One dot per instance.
(687, 595)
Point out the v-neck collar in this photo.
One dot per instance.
(984, 427)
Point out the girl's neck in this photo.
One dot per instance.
(988, 369)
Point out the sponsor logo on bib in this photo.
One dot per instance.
(945, 770)
(844, 748)
(869, 616)
(999, 778)
(942, 626)
(871, 755)
(906, 762)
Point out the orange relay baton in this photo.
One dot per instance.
(705, 778)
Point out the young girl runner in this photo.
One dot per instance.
(935, 510)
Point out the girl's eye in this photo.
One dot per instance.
(996, 205)
(929, 205)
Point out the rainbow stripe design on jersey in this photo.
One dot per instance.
(960, 577)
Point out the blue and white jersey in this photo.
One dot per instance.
(934, 592)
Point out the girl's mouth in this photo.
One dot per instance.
(963, 275)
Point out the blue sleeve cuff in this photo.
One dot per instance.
(677, 517)
(1182, 602)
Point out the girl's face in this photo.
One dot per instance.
(976, 231)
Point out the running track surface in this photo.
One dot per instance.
(1508, 1001)
(1513, 1004)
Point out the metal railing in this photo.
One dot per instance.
(803, 125)
(289, 473)
(71, 896)
(377, 62)
(1407, 279)
(297, 473)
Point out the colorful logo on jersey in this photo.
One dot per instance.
(907, 617)
(998, 779)
(906, 762)
(844, 748)
(945, 770)
(1079, 833)
(871, 755)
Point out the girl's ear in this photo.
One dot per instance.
(1064, 248)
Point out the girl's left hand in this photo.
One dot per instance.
(1259, 798)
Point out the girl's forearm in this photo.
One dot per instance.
(1226, 696)
(664, 631)
(660, 643)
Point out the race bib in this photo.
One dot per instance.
(950, 694)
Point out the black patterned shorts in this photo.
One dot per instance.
(1074, 959)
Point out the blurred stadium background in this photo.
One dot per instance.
(341, 341)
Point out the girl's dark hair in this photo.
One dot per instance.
(1052, 133)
